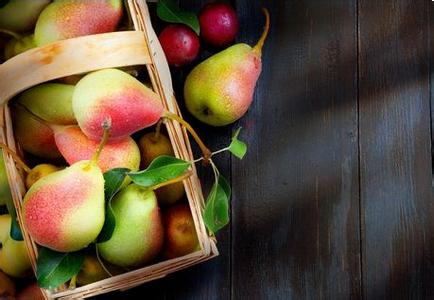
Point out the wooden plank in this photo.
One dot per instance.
(395, 158)
(295, 204)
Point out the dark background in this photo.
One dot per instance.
(334, 199)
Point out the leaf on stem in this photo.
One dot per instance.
(161, 169)
(237, 147)
(55, 268)
(113, 180)
(169, 11)
(216, 213)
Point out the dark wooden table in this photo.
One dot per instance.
(334, 199)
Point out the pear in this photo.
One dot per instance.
(7, 287)
(21, 15)
(91, 271)
(181, 237)
(64, 211)
(33, 135)
(51, 102)
(17, 46)
(151, 146)
(5, 191)
(31, 292)
(220, 90)
(66, 19)
(38, 172)
(138, 234)
(115, 95)
(75, 146)
(14, 260)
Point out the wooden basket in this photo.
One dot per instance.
(85, 54)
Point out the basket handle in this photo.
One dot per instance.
(69, 57)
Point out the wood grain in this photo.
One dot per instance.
(296, 210)
(395, 158)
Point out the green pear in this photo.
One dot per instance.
(17, 46)
(68, 19)
(5, 191)
(138, 234)
(21, 15)
(220, 90)
(51, 102)
(151, 146)
(91, 271)
(14, 260)
(64, 211)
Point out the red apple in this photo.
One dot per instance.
(180, 44)
(218, 23)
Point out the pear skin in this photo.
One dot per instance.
(17, 46)
(51, 102)
(138, 234)
(181, 237)
(21, 15)
(75, 146)
(34, 136)
(220, 90)
(91, 271)
(7, 287)
(14, 260)
(64, 211)
(115, 95)
(68, 19)
(31, 292)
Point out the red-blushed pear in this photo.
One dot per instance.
(31, 292)
(64, 211)
(220, 90)
(7, 287)
(66, 19)
(138, 234)
(115, 95)
(75, 146)
(181, 237)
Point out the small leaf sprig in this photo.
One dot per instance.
(169, 11)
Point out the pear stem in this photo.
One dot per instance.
(106, 125)
(73, 282)
(258, 47)
(206, 153)
(172, 181)
(11, 33)
(15, 157)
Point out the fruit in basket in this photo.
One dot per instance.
(73, 18)
(21, 15)
(64, 211)
(7, 287)
(180, 44)
(39, 171)
(220, 90)
(33, 135)
(17, 46)
(51, 102)
(115, 95)
(138, 234)
(31, 292)
(13, 254)
(75, 146)
(5, 191)
(151, 146)
(180, 232)
(218, 23)
(91, 271)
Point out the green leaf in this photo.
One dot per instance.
(3, 3)
(113, 180)
(169, 11)
(237, 147)
(216, 213)
(161, 169)
(55, 268)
